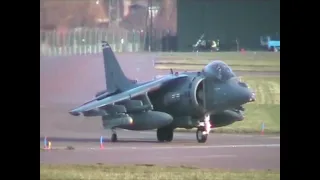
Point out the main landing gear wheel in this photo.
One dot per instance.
(165, 134)
(201, 135)
(114, 137)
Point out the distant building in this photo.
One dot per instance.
(72, 14)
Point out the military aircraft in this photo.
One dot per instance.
(211, 97)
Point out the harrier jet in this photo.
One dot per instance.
(212, 97)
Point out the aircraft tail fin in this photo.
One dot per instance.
(115, 78)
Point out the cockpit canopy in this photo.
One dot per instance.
(218, 70)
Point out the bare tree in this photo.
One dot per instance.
(71, 13)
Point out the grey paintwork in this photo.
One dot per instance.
(169, 100)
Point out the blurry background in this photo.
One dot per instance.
(78, 26)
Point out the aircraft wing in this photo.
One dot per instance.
(128, 94)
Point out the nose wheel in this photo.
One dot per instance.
(201, 135)
(203, 130)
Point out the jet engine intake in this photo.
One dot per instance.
(198, 92)
(189, 97)
(197, 95)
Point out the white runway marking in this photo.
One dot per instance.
(273, 137)
(188, 158)
(177, 147)
(203, 147)
(185, 134)
(212, 156)
(238, 135)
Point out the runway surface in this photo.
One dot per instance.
(66, 82)
(220, 151)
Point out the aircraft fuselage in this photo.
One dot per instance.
(185, 100)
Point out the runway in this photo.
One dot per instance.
(220, 151)
(70, 81)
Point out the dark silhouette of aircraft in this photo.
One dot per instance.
(211, 97)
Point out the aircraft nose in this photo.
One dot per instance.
(232, 93)
(246, 94)
(253, 97)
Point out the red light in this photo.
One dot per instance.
(211, 124)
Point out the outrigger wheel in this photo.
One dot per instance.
(114, 137)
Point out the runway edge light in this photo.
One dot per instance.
(101, 142)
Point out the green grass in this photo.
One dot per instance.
(231, 62)
(148, 172)
(249, 61)
(225, 56)
(234, 68)
(265, 109)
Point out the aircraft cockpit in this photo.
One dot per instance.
(218, 70)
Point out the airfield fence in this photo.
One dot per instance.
(86, 41)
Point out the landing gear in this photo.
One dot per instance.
(201, 135)
(204, 129)
(114, 137)
(165, 134)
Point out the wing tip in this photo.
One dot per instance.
(74, 113)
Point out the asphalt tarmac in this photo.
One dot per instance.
(66, 82)
(220, 151)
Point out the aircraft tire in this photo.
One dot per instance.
(201, 138)
(169, 135)
(165, 134)
(160, 136)
(114, 138)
